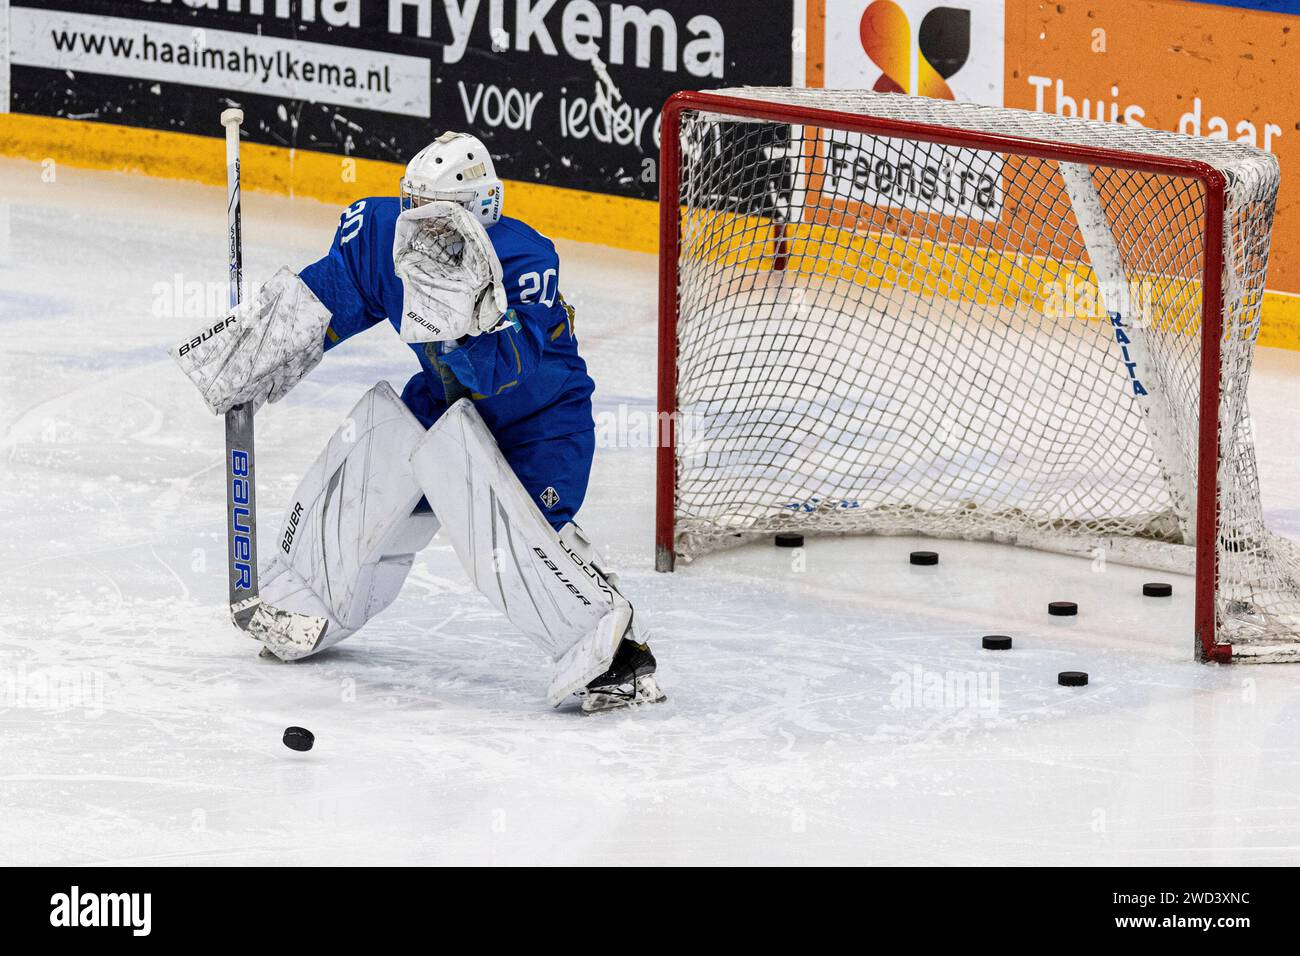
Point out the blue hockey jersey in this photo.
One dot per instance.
(528, 383)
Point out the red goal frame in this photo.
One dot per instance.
(1212, 180)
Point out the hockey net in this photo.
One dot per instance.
(884, 314)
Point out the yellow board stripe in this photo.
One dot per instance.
(1280, 328)
(555, 211)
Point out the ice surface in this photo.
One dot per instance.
(137, 726)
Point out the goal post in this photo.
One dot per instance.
(884, 314)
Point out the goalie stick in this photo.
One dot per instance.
(271, 626)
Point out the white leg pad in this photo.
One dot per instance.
(548, 590)
(350, 536)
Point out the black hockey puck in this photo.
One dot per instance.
(788, 539)
(1072, 678)
(995, 642)
(298, 738)
(1062, 609)
(1157, 589)
(924, 557)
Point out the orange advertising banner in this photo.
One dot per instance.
(1197, 68)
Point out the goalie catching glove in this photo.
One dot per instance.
(263, 348)
(451, 277)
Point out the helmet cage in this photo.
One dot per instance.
(416, 194)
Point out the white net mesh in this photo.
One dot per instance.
(886, 335)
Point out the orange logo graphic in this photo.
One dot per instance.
(942, 47)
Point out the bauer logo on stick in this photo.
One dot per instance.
(241, 543)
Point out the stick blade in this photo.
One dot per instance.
(288, 635)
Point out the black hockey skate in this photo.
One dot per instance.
(629, 681)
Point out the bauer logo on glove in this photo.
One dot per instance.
(267, 344)
(417, 318)
(184, 347)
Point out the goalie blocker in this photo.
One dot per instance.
(356, 522)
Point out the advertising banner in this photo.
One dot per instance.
(565, 92)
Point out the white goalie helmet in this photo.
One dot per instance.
(455, 167)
